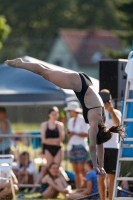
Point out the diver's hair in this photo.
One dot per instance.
(105, 134)
(118, 129)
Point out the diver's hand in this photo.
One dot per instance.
(100, 171)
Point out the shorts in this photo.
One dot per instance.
(78, 153)
(110, 160)
(124, 194)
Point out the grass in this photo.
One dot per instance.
(34, 197)
(25, 126)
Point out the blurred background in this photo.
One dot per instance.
(72, 34)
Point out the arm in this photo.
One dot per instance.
(70, 134)
(93, 151)
(4, 127)
(83, 134)
(49, 180)
(15, 181)
(88, 190)
(43, 136)
(63, 173)
(3, 186)
(115, 118)
(93, 134)
(61, 132)
(100, 155)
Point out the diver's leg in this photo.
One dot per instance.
(64, 79)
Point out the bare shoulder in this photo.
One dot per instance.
(45, 178)
(43, 124)
(60, 124)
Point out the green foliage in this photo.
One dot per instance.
(125, 16)
(95, 13)
(4, 30)
(124, 13)
(34, 23)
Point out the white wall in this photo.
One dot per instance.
(61, 55)
(60, 52)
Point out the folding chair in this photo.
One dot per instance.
(5, 170)
(90, 196)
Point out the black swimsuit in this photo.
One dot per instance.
(53, 149)
(86, 82)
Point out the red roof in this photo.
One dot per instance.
(84, 44)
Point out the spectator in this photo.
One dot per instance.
(5, 187)
(91, 183)
(5, 128)
(53, 183)
(25, 170)
(77, 134)
(125, 187)
(52, 134)
(113, 118)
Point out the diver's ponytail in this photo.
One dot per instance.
(118, 129)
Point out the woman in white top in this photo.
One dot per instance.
(25, 171)
(77, 134)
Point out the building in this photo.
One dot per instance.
(81, 50)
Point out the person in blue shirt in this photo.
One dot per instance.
(5, 129)
(91, 183)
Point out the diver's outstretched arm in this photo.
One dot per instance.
(94, 152)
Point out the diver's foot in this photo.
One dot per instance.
(14, 63)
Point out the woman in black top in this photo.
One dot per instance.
(90, 100)
(52, 134)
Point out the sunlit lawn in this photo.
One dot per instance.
(34, 197)
(25, 126)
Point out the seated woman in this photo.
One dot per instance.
(25, 170)
(91, 183)
(5, 187)
(53, 183)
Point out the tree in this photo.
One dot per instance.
(34, 23)
(125, 16)
(124, 10)
(95, 13)
(4, 30)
